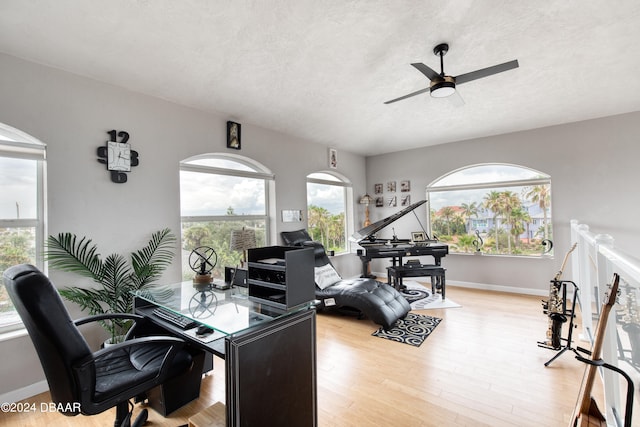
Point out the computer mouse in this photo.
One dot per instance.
(203, 330)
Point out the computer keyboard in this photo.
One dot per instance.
(182, 322)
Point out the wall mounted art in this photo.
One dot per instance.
(333, 158)
(391, 186)
(291, 215)
(233, 135)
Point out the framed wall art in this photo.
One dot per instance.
(333, 158)
(233, 135)
(291, 215)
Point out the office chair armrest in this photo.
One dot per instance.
(83, 366)
(107, 316)
(110, 316)
(177, 344)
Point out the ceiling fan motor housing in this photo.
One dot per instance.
(443, 88)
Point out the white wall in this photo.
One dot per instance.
(592, 165)
(594, 176)
(72, 114)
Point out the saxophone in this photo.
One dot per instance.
(554, 307)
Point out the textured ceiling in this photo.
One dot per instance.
(321, 70)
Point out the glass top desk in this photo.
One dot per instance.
(227, 311)
(269, 353)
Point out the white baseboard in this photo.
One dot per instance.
(25, 392)
(499, 288)
(487, 287)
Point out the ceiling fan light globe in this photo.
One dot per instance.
(443, 89)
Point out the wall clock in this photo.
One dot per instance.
(118, 156)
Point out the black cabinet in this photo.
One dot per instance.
(281, 276)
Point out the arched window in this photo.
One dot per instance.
(22, 162)
(506, 207)
(220, 194)
(328, 198)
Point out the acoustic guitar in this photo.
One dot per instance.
(586, 413)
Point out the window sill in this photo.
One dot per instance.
(341, 254)
(483, 254)
(9, 335)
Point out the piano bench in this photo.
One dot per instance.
(395, 274)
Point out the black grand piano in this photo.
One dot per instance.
(394, 248)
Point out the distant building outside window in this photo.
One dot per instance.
(507, 207)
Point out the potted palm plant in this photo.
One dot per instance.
(118, 279)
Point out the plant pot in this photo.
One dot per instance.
(113, 341)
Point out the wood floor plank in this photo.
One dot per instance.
(480, 367)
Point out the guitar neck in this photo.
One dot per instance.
(564, 263)
(584, 398)
(596, 353)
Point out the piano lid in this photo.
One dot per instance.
(369, 231)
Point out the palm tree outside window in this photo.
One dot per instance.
(328, 199)
(22, 210)
(508, 206)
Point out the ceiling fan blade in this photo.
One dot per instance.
(431, 75)
(486, 72)
(409, 95)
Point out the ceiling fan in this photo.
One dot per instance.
(443, 85)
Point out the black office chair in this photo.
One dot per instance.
(82, 381)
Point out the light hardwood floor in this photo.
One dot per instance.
(480, 367)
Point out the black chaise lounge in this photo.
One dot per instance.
(378, 301)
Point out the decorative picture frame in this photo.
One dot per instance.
(379, 202)
(291, 215)
(418, 236)
(392, 201)
(391, 186)
(405, 200)
(333, 158)
(233, 135)
(378, 188)
(405, 186)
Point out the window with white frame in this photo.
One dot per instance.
(220, 194)
(22, 159)
(327, 213)
(506, 207)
